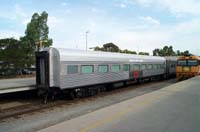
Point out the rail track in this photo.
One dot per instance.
(21, 104)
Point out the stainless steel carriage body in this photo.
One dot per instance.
(53, 67)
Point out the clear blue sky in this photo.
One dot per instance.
(140, 25)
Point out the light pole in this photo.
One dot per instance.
(86, 41)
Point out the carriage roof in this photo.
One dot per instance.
(80, 55)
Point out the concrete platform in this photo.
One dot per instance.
(18, 84)
(172, 109)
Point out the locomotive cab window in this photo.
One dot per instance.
(115, 68)
(182, 63)
(103, 68)
(126, 67)
(72, 69)
(136, 67)
(192, 62)
(86, 69)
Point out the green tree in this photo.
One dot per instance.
(29, 51)
(143, 53)
(186, 52)
(156, 52)
(110, 47)
(18, 54)
(178, 53)
(97, 48)
(168, 51)
(165, 51)
(126, 51)
(37, 31)
(11, 56)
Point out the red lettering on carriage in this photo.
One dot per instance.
(135, 74)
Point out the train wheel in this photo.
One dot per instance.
(79, 94)
(138, 81)
(45, 98)
(72, 95)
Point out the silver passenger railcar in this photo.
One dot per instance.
(76, 71)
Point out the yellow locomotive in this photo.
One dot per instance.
(187, 66)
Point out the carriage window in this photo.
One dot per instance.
(87, 69)
(162, 66)
(150, 66)
(72, 69)
(154, 66)
(103, 68)
(143, 66)
(115, 68)
(126, 67)
(158, 66)
(136, 67)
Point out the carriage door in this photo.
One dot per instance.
(42, 71)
